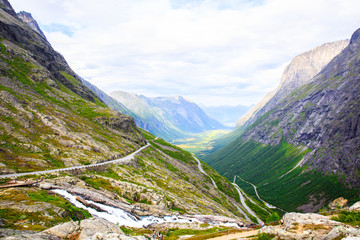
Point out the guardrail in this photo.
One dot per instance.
(123, 159)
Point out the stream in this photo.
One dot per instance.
(123, 218)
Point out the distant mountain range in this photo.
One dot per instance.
(167, 117)
(227, 115)
(300, 145)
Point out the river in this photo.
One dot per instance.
(123, 218)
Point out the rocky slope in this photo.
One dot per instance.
(312, 130)
(31, 22)
(311, 226)
(50, 119)
(299, 72)
(167, 117)
(323, 116)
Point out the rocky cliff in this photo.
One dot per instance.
(301, 133)
(166, 117)
(29, 20)
(322, 115)
(299, 72)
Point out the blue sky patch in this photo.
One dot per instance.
(55, 27)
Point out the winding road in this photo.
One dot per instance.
(242, 200)
(257, 194)
(202, 170)
(119, 160)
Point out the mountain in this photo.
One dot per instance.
(227, 115)
(48, 117)
(50, 120)
(167, 117)
(109, 101)
(300, 71)
(303, 151)
(29, 20)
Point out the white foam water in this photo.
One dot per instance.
(123, 218)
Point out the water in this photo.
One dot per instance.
(123, 218)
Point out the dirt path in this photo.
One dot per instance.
(236, 235)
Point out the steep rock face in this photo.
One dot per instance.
(5, 5)
(303, 152)
(19, 33)
(29, 20)
(167, 117)
(299, 72)
(322, 115)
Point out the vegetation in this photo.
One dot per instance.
(175, 233)
(352, 218)
(265, 215)
(177, 152)
(196, 143)
(46, 216)
(271, 169)
(265, 236)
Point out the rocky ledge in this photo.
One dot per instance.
(311, 226)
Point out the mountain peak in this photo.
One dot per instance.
(6, 6)
(31, 22)
(355, 38)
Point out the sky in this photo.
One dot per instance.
(213, 52)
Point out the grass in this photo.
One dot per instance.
(264, 166)
(74, 213)
(265, 236)
(41, 219)
(199, 142)
(352, 218)
(264, 215)
(175, 233)
(177, 153)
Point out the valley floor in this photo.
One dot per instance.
(199, 142)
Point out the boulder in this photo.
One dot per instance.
(64, 230)
(116, 236)
(338, 203)
(355, 207)
(85, 230)
(339, 231)
(90, 227)
(294, 219)
(10, 234)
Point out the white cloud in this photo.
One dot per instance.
(210, 51)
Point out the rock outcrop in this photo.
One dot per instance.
(310, 226)
(85, 230)
(301, 70)
(29, 20)
(355, 207)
